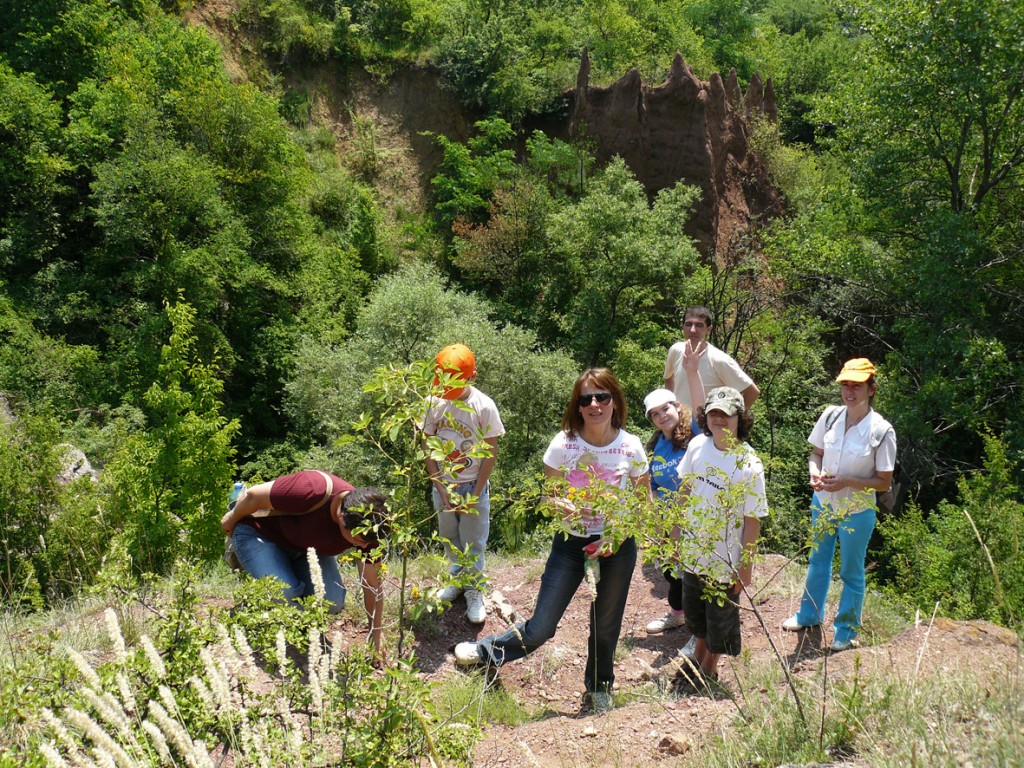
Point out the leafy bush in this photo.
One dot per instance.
(966, 556)
(293, 33)
(409, 317)
(168, 483)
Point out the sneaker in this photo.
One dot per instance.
(670, 620)
(475, 610)
(449, 594)
(468, 654)
(688, 650)
(598, 702)
(792, 625)
(843, 645)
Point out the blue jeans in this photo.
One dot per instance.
(853, 534)
(261, 557)
(562, 576)
(461, 531)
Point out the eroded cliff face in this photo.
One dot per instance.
(686, 130)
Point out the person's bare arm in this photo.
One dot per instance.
(252, 500)
(748, 548)
(750, 394)
(373, 602)
(437, 478)
(814, 468)
(691, 364)
(486, 466)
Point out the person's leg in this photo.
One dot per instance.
(819, 571)
(854, 536)
(448, 528)
(723, 635)
(606, 616)
(674, 618)
(261, 558)
(334, 591)
(475, 528)
(562, 576)
(675, 590)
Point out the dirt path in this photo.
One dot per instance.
(652, 727)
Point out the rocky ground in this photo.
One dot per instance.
(649, 726)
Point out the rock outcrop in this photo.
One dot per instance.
(74, 465)
(688, 130)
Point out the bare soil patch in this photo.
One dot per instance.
(652, 727)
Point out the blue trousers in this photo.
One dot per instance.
(853, 534)
(563, 574)
(261, 557)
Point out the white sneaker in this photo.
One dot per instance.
(475, 610)
(688, 650)
(468, 654)
(792, 625)
(449, 594)
(843, 645)
(670, 620)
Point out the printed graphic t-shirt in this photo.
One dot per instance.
(729, 486)
(615, 464)
(465, 428)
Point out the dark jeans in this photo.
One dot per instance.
(675, 590)
(562, 576)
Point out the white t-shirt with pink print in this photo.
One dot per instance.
(615, 464)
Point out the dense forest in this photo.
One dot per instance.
(203, 280)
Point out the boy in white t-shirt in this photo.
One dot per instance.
(463, 526)
(727, 479)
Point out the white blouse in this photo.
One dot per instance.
(862, 451)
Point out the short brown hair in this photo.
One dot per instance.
(366, 506)
(572, 419)
(701, 313)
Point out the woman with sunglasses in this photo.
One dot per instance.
(591, 450)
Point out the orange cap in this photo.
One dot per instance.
(458, 361)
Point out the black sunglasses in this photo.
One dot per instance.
(601, 397)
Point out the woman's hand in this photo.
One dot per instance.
(600, 548)
(692, 353)
(816, 480)
(831, 483)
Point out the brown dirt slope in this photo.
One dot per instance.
(655, 728)
(681, 130)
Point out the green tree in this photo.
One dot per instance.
(915, 256)
(617, 255)
(409, 317)
(169, 483)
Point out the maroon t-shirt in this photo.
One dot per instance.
(296, 494)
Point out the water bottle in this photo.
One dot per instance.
(236, 491)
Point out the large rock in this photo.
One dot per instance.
(74, 465)
(688, 130)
